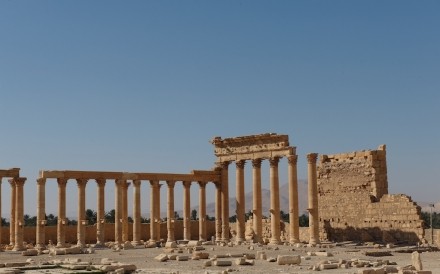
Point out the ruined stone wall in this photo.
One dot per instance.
(354, 203)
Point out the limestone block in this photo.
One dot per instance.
(182, 258)
(201, 255)
(328, 266)
(423, 272)
(161, 257)
(323, 254)
(249, 256)
(30, 252)
(366, 271)
(127, 245)
(240, 261)
(194, 243)
(127, 268)
(207, 263)
(416, 260)
(74, 266)
(271, 259)
(288, 259)
(107, 261)
(10, 271)
(261, 255)
(171, 245)
(15, 264)
(73, 250)
(235, 255)
(222, 263)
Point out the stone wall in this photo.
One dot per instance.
(51, 232)
(354, 203)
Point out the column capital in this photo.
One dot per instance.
(186, 184)
(240, 164)
(274, 161)
(81, 182)
(100, 182)
(223, 165)
(19, 181)
(154, 183)
(202, 184)
(125, 184)
(61, 181)
(292, 159)
(41, 181)
(312, 157)
(256, 163)
(171, 184)
(136, 183)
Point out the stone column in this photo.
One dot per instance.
(256, 199)
(12, 220)
(62, 222)
(240, 207)
(225, 200)
(218, 211)
(118, 211)
(136, 212)
(170, 211)
(100, 214)
(186, 211)
(293, 200)
(124, 218)
(274, 201)
(153, 204)
(313, 199)
(1, 210)
(82, 222)
(202, 211)
(19, 214)
(41, 213)
(158, 219)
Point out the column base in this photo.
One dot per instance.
(99, 245)
(60, 245)
(239, 240)
(294, 241)
(19, 248)
(40, 246)
(274, 242)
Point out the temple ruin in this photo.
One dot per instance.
(347, 194)
(354, 203)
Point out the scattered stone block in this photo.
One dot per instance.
(171, 245)
(288, 259)
(172, 257)
(222, 263)
(194, 243)
(323, 254)
(207, 263)
(328, 266)
(378, 253)
(416, 260)
(182, 258)
(30, 252)
(161, 257)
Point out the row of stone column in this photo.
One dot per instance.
(121, 211)
(17, 213)
(274, 200)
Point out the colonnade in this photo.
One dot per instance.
(121, 204)
(257, 199)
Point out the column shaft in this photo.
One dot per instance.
(118, 211)
(186, 211)
(225, 200)
(1, 225)
(240, 203)
(202, 211)
(274, 201)
(41, 213)
(19, 214)
(136, 212)
(293, 200)
(153, 203)
(82, 222)
(62, 222)
(218, 211)
(158, 219)
(100, 214)
(12, 220)
(170, 211)
(256, 199)
(313, 199)
(124, 218)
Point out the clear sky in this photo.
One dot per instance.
(143, 86)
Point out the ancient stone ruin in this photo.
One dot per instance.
(354, 203)
(348, 199)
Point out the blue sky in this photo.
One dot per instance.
(144, 85)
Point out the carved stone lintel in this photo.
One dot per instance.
(274, 161)
(256, 163)
(312, 157)
(292, 159)
(240, 164)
